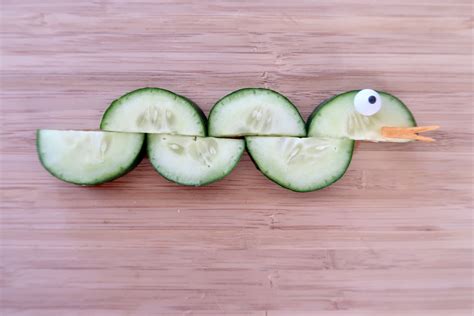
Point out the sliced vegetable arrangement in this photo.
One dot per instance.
(274, 131)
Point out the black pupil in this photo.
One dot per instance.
(372, 99)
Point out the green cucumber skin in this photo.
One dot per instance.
(327, 101)
(199, 111)
(237, 92)
(187, 184)
(132, 166)
(296, 190)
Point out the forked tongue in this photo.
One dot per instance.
(409, 132)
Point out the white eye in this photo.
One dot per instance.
(367, 102)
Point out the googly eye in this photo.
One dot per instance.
(367, 102)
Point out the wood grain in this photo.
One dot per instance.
(393, 237)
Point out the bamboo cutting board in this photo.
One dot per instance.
(393, 237)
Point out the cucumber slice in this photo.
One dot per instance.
(301, 164)
(192, 160)
(255, 111)
(337, 117)
(88, 157)
(154, 110)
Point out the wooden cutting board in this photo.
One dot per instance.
(393, 237)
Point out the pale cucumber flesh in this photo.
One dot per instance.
(338, 118)
(88, 157)
(154, 110)
(255, 111)
(301, 164)
(193, 160)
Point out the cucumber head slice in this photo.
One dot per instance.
(154, 110)
(301, 164)
(192, 160)
(255, 111)
(88, 157)
(338, 117)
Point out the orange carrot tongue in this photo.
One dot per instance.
(409, 132)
